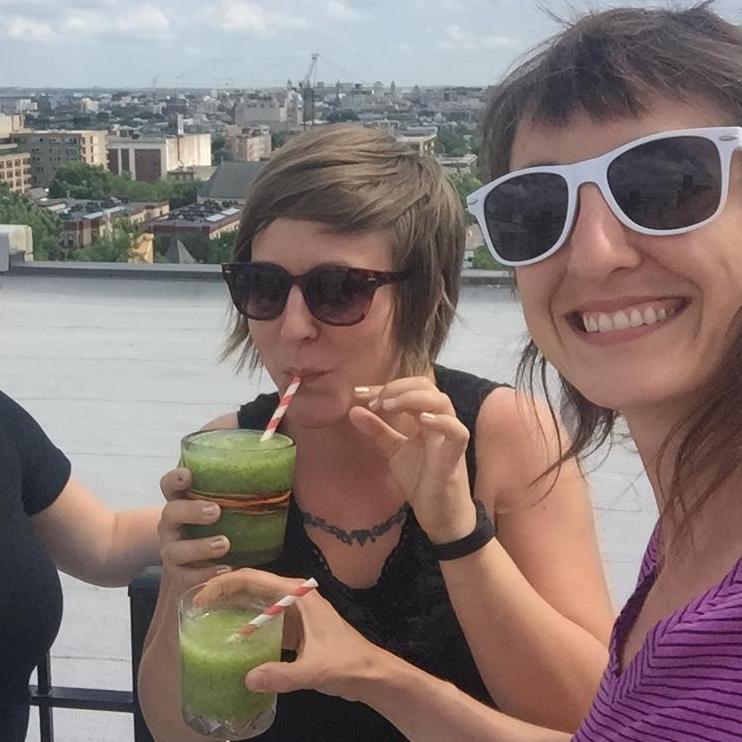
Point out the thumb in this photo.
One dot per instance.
(386, 438)
(276, 677)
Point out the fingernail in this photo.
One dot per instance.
(427, 416)
(374, 404)
(254, 680)
(218, 543)
(223, 569)
(210, 509)
(362, 390)
(389, 404)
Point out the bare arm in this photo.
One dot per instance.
(335, 659)
(426, 709)
(533, 604)
(185, 563)
(88, 540)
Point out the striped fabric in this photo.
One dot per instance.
(685, 683)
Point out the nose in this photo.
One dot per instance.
(297, 322)
(599, 243)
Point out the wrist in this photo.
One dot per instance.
(482, 532)
(383, 675)
(455, 527)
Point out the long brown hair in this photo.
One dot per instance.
(357, 180)
(611, 65)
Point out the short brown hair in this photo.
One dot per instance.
(610, 65)
(357, 180)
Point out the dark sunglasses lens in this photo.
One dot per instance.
(338, 296)
(260, 291)
(668, 183)
(525, 215)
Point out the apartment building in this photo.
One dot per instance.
(50, 149)
(15, 168)
(248, 144)
(149, 158)
(279, 111)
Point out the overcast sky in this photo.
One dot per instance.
(264, 42)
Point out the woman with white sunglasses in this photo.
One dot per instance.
(617, 198)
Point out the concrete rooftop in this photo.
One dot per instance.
(117, 369)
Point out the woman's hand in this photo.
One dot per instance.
(188, 561)
(331, 655)
(415, 426)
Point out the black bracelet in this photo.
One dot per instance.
(483, 533)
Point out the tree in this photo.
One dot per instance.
(80, 180)
(45, 226)
(219, 150)
(113, 247)
(451, 142)
(483, 260)
(220, 248)
(278, 138)
(464, 183)
(335, 117)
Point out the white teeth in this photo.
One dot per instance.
(604, 323)
(636, 318)
(650, 316)
(620, 321)
(623, 320)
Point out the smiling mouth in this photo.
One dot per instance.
(636, 317)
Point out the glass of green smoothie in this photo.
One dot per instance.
(214, 661)
(251, 481)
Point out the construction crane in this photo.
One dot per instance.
(306, 86)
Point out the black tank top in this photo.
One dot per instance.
(407, 611)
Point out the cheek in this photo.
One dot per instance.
(261, 334)
(534, 292)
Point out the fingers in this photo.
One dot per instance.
(175, 483)
(183, 552)
(414, 395)
(177, 513)
(384, 436)
(280, 677)
(444, 436)
(263, 584)
(413, 402)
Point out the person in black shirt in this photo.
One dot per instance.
(48, 520)
(377, 233)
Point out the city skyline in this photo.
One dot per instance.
(256, 43)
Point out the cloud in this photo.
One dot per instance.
(20, 28)
(341, 11)
(456, 38)
(144, 21)
(404, 48)
(250, 17)
(85, 19)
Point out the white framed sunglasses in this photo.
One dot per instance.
(664, 184)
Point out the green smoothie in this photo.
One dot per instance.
(250, 480)
(213, 668)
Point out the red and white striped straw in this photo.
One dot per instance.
(288, 395)
(276, 609)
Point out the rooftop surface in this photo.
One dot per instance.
(117, 370)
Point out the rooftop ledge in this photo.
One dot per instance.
(199, 272)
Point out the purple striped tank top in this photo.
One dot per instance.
(685, 683)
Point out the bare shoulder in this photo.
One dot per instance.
(516, 442)
(227, 421)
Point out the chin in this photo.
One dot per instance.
(316, 414)
(623, 396)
